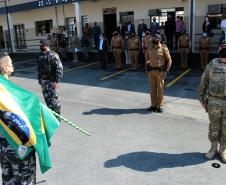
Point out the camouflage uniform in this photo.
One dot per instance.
(50, 70)
(213, 82)
(14, 170)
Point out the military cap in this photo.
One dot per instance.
(45, 42)
(3, 54)
(148, 32)
(115, 33)
(157, 36)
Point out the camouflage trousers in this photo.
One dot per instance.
(217, 117)
(51, 96)
(14, 170)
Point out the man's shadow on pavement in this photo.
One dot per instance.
(152, 161)
(107, 111)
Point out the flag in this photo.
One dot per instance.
(26, 123)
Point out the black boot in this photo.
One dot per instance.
(159, 110)
(152, 109)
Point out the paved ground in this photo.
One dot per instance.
(128, 146)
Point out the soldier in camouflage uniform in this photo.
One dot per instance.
(213, 86)
(14, 170)
(50, 72)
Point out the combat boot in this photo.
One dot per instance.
(152, 109)
(213, 151)
(222, 153)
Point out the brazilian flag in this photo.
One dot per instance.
(26, 123)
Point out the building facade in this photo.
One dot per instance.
(32, 20)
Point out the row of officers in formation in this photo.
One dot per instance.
(133, 48)
(158, 63)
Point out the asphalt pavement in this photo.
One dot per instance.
(128, 145)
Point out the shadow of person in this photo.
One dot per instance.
(153, 161)
(107, 111)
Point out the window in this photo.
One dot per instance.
(161, 14)
(71, 25)
(126, 17)
(43, 27)
(215, 14)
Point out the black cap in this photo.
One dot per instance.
(3, 54)
(157, 36)
(45, 42)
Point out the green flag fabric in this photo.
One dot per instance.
(26, 123)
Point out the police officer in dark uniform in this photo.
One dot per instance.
(50, 72)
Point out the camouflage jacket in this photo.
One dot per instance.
(54, 69)
(213, 81)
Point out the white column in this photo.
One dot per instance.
(78, 19)
(192, 15)
(11, 29)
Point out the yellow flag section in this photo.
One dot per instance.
(26, 123)
(8, 104)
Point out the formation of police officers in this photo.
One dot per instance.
(156, 58)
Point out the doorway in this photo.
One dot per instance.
(2, 40)
(110, 22)
(20, 36)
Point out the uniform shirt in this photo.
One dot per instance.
(159, 55)
(204, 43)
(147, 42)
(184, 41)
(56, 72)
(117, 42)
(134, 43)
(213, 80)
(74, 41)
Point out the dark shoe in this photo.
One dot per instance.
(159, 110)
(152, 109)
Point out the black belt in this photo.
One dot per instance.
(207, 48)
(184, 47)
(133, 49)
(117, 47)
(149, 68)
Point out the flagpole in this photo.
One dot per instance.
(70, 123)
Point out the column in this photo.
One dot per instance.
(78, 19)
(11, 32)
(192, 9)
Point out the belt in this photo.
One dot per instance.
(207, 48)
(184, 47)
(133, 49)
(149, 68)
(117, 47)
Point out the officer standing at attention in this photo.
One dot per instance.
(147, 42)
(204, 45)
(158, 63)
(212, 88)
(117, 47)
(54, 45)
(14, 170)
(184, 45)
(134, 46)
(50, 72)
(74, 44)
